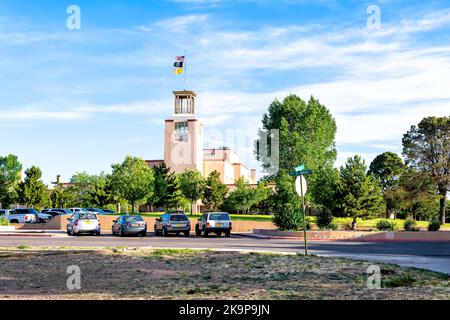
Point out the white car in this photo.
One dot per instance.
(19, 216)
(83, 222)
(214, 222)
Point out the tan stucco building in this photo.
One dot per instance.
(183, 146)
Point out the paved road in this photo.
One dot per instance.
(432, 256)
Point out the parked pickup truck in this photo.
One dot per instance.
(25, 216)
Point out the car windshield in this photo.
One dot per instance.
(219, 216)
(178, 217)
(88, 216)
(132, 219)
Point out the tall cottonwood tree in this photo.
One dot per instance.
(306, 134)
(426, 147)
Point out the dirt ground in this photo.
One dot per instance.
(186, 274)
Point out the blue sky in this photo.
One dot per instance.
(80, 100)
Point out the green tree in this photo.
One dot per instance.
(242, 198)
(387, 168)
(132, 180)
(192, 185)
(306, 134)
(426, 147)
(245, 197)
(324, 188)
(359, 194)
(10, 171)
(32, 191)
(215, 191)
(100, 193)
(166, 188)
(63, 197)
(417, 194)
(83, 184)
(287, 209)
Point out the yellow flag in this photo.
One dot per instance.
(178, 71)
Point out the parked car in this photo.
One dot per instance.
(56, 212)
(83, 222)
(127, 225)
(96, 210)
(214, 222)
(108, 211)
(76, 210)
(173, 222)
(27, 216)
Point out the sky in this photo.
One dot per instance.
(81, 100)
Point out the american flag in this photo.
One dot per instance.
(180, 58)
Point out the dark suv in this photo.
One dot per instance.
(173, 222)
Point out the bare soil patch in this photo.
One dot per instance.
(186, 274)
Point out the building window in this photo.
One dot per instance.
(181, 132)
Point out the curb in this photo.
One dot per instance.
(36, 235)
(340, 239)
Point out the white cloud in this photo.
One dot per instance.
(181, 23)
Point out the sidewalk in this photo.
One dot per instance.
(34, 233)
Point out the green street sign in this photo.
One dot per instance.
(300, 173)
(300, 168)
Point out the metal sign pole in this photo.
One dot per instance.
(304, 216)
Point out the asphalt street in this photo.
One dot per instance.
(432, 256)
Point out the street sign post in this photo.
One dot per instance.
(301, 187)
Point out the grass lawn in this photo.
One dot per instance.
(120, 273)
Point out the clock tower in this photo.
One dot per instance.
(183, 139)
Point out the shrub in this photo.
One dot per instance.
(324, 219)
(386, 225)
(347, 226)
(434, 225)
(4, 222)
(333, 225)
(410, 225)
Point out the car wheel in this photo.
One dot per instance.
(121, 233)
(205, 233)
(98, 233)
(228, 234)
(177, 233)
(68, 232)
(186, 234)
(144, 233)
(219, 234)
(198, 233)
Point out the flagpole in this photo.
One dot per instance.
(185, 68)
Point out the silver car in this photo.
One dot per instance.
(125, 225)
(214, 222)
(80, 223)
(173, 223)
